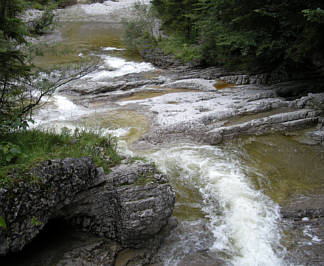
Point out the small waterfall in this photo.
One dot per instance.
(244, 222)
(117, 67)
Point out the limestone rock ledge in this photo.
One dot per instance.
(130, 205)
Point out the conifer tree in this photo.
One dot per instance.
(21, 86)
(249, 34)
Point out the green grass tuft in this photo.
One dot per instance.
(21, 151)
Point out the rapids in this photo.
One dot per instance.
(226, 205)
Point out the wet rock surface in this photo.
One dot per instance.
(211, 112)
(224, 105)
(130, 206)
(304, 218)
(193, 240)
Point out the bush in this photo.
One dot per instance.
(44, 4)
(181, 48)
(44, 23)
(65, 3)
(138, 32)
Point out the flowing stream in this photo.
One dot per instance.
(228, 195)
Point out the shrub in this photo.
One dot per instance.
(138, 32)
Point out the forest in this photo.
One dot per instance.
(247, 34)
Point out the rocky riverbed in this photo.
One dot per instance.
(245, 158)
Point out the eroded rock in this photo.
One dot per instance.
(130, 205)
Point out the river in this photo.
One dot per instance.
(229, 195)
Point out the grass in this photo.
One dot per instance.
(21, 151)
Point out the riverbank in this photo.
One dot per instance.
(238, 156)
(120, 204)
(128, 208)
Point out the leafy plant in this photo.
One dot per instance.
(9, 152)
(35, 221)
(3, 223)
(44, 23)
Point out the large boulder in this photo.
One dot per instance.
(130, 205)
(27, 205)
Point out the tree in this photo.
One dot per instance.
(249, 34)
(178, 16)
(13, 62)
(22, 86)
(261, 33)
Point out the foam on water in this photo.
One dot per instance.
(59, 108)
(119, 67)
(113, 49)
(109, 7)
(244, 221)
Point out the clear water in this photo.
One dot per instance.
(227, 196)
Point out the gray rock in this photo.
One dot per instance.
(304, 219)
(295, 89)
(280, 122)
(130, 205)
(317, 136)
(203, 257)
(27, 206)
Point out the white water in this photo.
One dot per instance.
(243, 221)
(117, 67)
(112, 49)
(59, 109)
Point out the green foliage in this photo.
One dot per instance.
(44, 4)
(44, 23)
(35, 221)
(182, 48)
(22, 86)
(136, 159)
(143, 180)
(9, 152)
(65, 3)
(34, 146)
(3, 223)
(178, 16)
(247, 34)
(138, 32)
(15, 69)
(315, 15)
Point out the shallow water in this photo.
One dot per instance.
(227, 195)
(283, 167)
(243, 221)
(76, 40)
